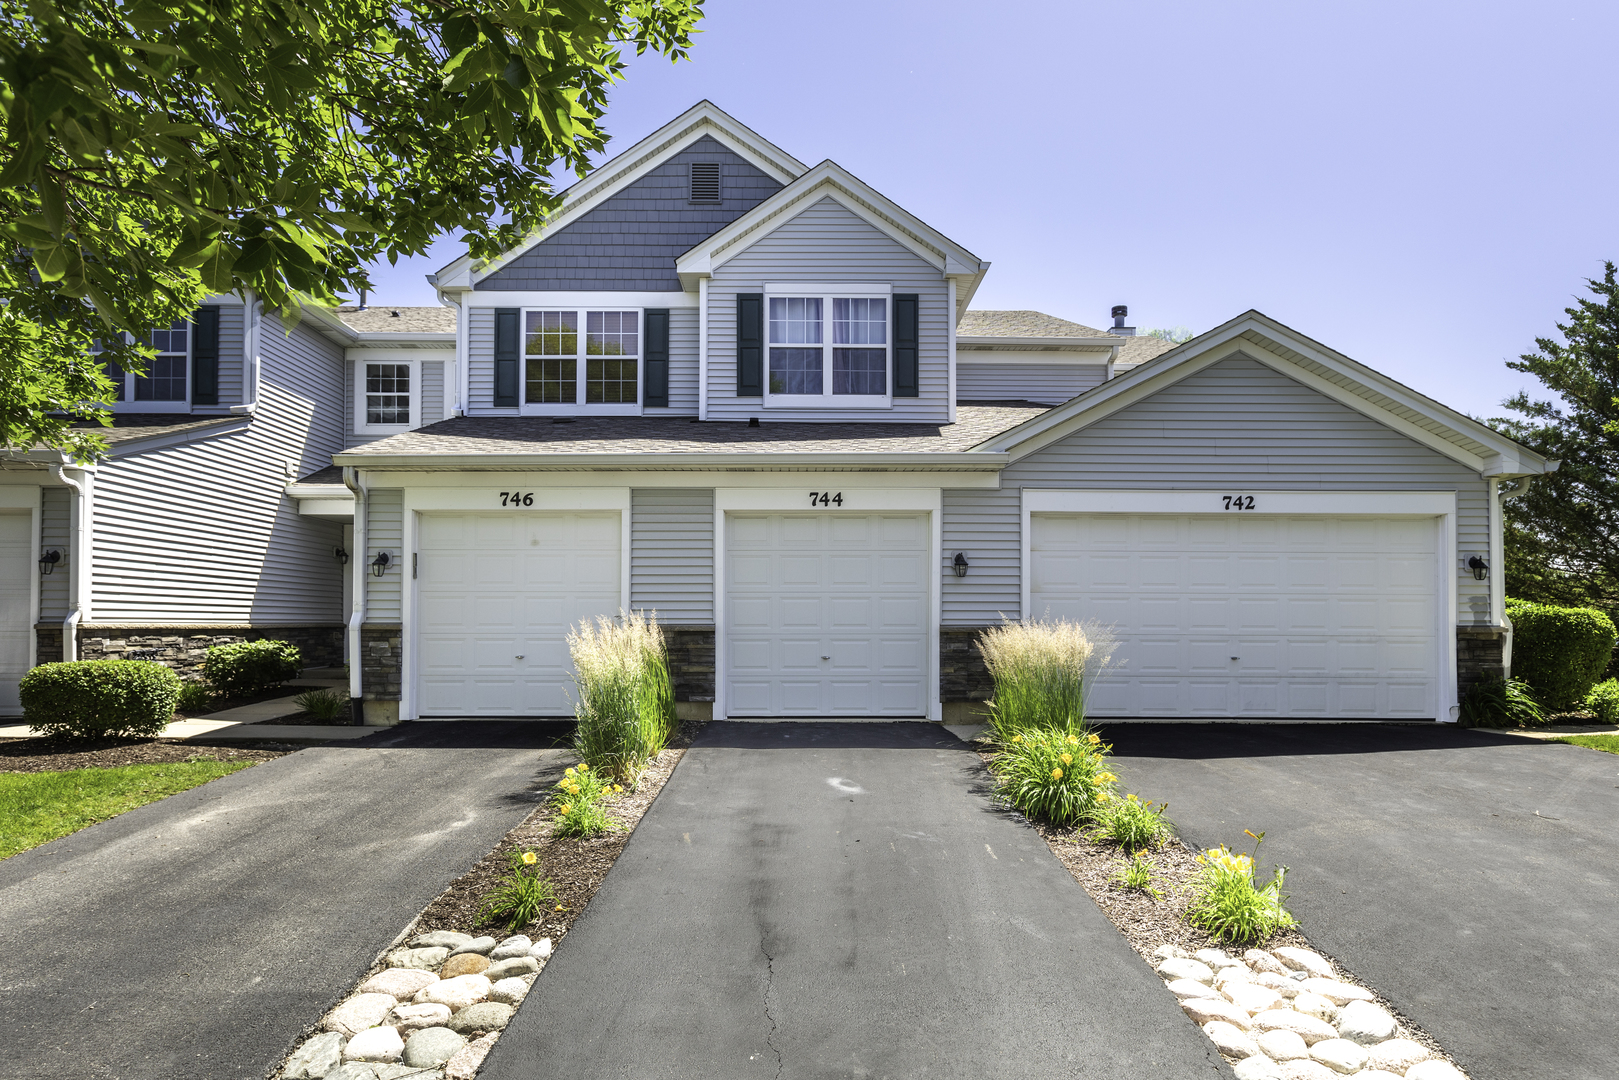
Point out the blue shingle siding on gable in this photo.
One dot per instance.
(631, 240)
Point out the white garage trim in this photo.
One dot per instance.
(792, 495)
(27, 500)
(485, 498)
(1438, 504)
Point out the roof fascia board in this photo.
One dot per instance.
(383, 340)
(952, 461)
(227, 425)
(1091, 343)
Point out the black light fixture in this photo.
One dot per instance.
(48, 561)
(1480, 568)
(959, 564)
(342, 556)
(380, 564)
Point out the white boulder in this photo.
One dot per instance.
(1251, 998)
(1205, 1010)
(1280, 1045)
(1434, 1069)
(359, 1012)
(1191, 988)
(1315, 1005)
(1339, 993)
(1257, 1067)
(1309, 1028)
(1397, 1055)
(1186, 969)
(1230, 1040)
(509, 991)
(1339, 1055)
(1260, 960)
(1305, 960)
(457, 993)
(375, 1044)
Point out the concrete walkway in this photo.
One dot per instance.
(1470, 876)
(198, 936)
(842, 900)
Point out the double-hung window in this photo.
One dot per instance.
(387, 393)
(828, 347)
(576, 357)
(163, 387)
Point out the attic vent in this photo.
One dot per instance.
(705, 181)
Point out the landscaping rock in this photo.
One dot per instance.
(1339, 993)
(432, 1047)
(400, 983)
(359, 1013)
(1170, 952)
(425, 959)
(1316, 1005)
(516, 945)
(1257, 1068)
(1282, 1045)
(541, 950)
(459, 992)
(1339, 1055)
(1396, 1055)
(1215, 959)
(1230, 1040)
(1191, 988)
(1305, 1069)
(1260, 960)
(375, 1044)
(509, 991)
(408, 1018)
(1251, 998)
(1231, 975)
(485, 1016)
(1305, 960)
(507, 969)
(470, 963)
(1205, 1010)
(1186, 969)
(1434, 1069)
(1309, 1028)
(406, 1072)
(465, 1064)
(481, 945)
(440, 939)
(1375, 1074)
(353, 1070)
(1288, 988)
(1365, 1023)
(315, 1058)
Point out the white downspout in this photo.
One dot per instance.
(460, 351)
(1112, 358)
(1498, 552)
(702, 348)
(358, 567)
(78, 563)
(952, 314)
(253, 308)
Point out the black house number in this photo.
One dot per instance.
(826, 498)
(517, 498)
(1238, 502)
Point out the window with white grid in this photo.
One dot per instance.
(580, 357)
(812, 365)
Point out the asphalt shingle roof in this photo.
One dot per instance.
(127, 426)
(1021, 324)
(383, 319)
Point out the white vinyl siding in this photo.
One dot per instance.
(672, 553)
(232, 321)
(386, 533)
(827, 244)
(481, 363)
(1049, 384)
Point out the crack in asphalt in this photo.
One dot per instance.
(770, 985)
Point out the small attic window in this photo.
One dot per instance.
(705, 182)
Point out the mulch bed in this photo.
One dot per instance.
(576, 867)
(55, 755)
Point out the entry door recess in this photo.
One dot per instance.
(17, 572)
(1263, 616)
(496, 594)
(827, 614)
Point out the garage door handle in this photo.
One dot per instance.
(826, 658)
(520, 656)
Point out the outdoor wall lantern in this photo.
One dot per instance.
(342, 556)
(959, 564)
(48, 561)
(380, 564)
(1480, 568)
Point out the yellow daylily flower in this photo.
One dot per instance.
(1068, 759)
(565, 807)
(1056, 774)
(568, 771)
(529, 858)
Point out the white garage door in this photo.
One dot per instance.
(827, 614)
(17, 572)
(496, 596)
(1308, 616)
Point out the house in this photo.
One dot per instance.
(752, 395)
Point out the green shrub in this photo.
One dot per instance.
(626, 704)
(89, 699)
(522, 895)
(1041, 671)
(579, 803)
(1500, 703)
(251, 667)
(1560, 652)
(1131, 823)
(195, 697)
(1054, 775)
(325, 705)
(1229, 906)
(1603, 701)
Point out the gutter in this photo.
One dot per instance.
(357, 564)
(954, 461)
(78, 560)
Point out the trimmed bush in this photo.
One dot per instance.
(251, 667)
(1603, 701)
(1500, 703)
(92, 699)
(1560, 652)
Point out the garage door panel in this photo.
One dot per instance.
(845, 613)
(799, 613)
(1329, 614)
(851, 571)
(896, 613)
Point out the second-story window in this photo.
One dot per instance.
(387, 395)
(581, 358)
(163, 387)
(811, 364)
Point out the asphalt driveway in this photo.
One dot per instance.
(198, 936)
(1473, 878)
(842, 900)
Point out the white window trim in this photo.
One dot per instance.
(130, 405)
(578, 407)
(827, 293)
(415, 365)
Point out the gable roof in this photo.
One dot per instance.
(1259, 337)
(623, 169)
(831, 180)
(392, 319)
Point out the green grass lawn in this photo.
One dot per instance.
(36, 808)
(1610, 743)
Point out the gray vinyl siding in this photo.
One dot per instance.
(387, 533)
(204, 532)
(631, 240)
(672, 553)
(682, 362)
(232, 327)
(1237, 424)
(432, 396)
(54, 532)
(481, 364)
(1050, 384)
(432, 376)
(827, 243)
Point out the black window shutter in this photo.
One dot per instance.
(205, 356)
(655, 382)
(906, 378)
(506, 357)
(750, 345)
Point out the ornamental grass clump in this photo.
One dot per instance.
(578, 803)
(522, 894)
(1501, 703)
(1132, 824)
(1228, 905)
(626, 703)
(1041, 671)
(1057, 775)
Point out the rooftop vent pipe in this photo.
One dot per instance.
(1120, 313)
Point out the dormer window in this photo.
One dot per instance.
(810, 364)
(575, 358)
(705, 182)
(163, 387)
(387, 392)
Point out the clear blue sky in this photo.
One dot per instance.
(1423, 186)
